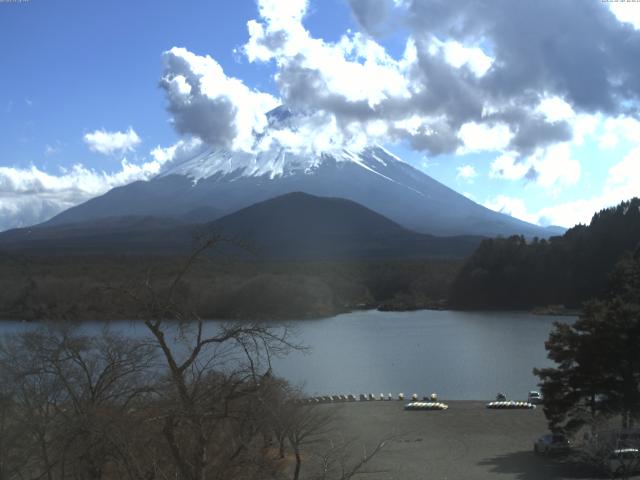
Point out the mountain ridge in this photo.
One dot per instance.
(294, 226)
(375, 178)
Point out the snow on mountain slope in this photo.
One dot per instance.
(275, 162)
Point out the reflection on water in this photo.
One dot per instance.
(459, 355)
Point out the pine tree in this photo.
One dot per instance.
(597, 358)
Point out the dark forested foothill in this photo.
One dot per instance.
(513, 273)
(92, 287)
(293, 227)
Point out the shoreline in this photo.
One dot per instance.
(319, 316)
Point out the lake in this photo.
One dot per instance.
(459, 355)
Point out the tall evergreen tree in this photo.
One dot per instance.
(597, 357)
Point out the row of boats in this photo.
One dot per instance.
(367, 398)
(508, 405)
(511, 405)
(428, 402)
(426, 406)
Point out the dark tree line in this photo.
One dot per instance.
(513, 273)
(32, 288)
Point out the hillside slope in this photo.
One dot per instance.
(293, 226)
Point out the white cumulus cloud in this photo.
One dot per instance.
(470, 78)
(205, 102)
(107, 143)
(622, 183)
(467, 172)
(626, 12)
(619, 128)
(555, 109)
(507, 166)
(458, 55)
(555, 166)
(478, 137)
(549, 167)
(511, 206)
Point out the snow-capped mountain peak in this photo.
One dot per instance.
(275, 162)
(215, 181)
(272, 159)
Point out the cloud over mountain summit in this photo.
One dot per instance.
(471, 66)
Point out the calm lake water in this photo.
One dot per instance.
(459, 355)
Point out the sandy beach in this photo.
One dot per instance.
(467, 441)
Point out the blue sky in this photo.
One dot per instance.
(75, 66)
(82, 107)
(78, 66)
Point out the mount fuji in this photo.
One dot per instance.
(216, 182)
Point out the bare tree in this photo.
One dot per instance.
(338, 462)
(306, 425)
(11, 458)
(213, 376)
(71, 393)
(225, 398)
(193, 400)
(312, 432)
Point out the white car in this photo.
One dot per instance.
(534, 397)
(624, 461)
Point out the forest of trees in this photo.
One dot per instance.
(92, 287)
(513, 273)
